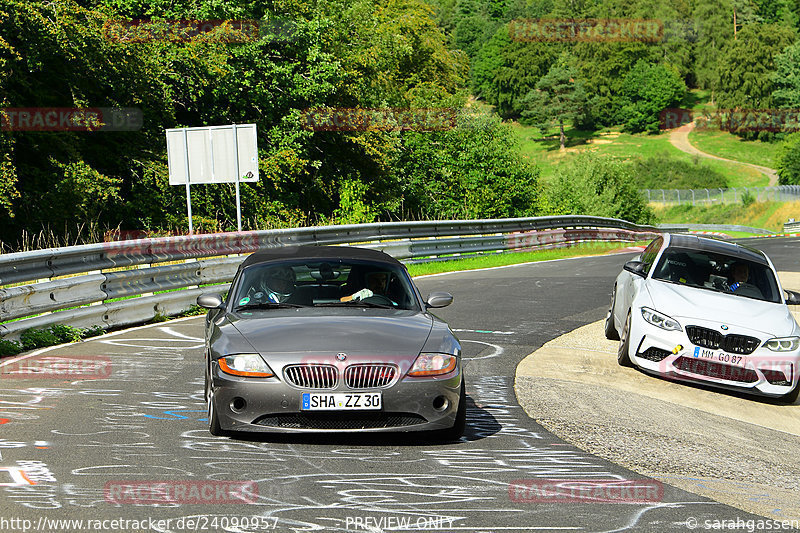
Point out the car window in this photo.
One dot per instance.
(317, 283)
(648, 257)
(717, 272)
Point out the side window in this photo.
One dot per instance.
(650, 253)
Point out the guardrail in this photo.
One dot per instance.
(780, 193)
(117, 284)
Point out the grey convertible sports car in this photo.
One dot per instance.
(330, 339)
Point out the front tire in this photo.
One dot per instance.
(460, 424)
(623, 353)
(791, 397)
(610, 326)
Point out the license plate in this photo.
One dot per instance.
(341, 401)
(719, 357)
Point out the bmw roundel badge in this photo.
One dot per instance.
(724, 327)
(341, 356)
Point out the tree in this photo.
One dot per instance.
(646, 92)
(786, 78)
(558, 98)
(788, 160)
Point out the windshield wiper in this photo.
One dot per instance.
(353, 303)
(267, 305)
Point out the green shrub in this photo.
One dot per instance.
(9, 348)
(66, 333)
(93, 331)
(748, 198)
(38, 338)
(663, 171)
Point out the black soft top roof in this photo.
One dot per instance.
(716, 246)
(317, 253)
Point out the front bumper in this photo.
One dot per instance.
(762, 372)
(271, 405)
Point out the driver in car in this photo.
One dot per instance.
(276, 285)
(377, 284)
(738, 281)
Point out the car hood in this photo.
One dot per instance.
(325, 331)
(682, 303)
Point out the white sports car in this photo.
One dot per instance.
(702, 310)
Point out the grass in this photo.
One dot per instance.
(512, 258)
(544, 151)
(729, 146)
(766, 215)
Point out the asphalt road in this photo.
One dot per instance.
(68, 446)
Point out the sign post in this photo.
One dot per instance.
(213, 154)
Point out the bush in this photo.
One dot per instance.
(663, 171)
(38, 338)
(9, 348)
(598, 186)
(66, 333)
(93, 331)
(748, 198)
(788, 160)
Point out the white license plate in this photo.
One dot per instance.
(719, 357)
(341, 401)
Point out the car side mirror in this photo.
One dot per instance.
(439, 299)
(210, 301)
(635, 267)
(792, 298)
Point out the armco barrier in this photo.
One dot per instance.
(121, 283)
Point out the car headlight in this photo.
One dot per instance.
(433, 364)
(783, 344)
(249, 365)
(660, 320)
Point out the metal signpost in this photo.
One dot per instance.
(213, 154)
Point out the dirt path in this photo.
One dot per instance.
(679, 137)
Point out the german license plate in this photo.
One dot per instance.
(341, 401)
(719, 357)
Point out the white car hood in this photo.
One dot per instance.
(682, 303)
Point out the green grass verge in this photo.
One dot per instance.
(729, 146)
(544, 152)
(513, 258)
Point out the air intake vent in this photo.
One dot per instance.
(708, 338)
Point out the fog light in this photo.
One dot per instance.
(238, 404)
(440, 403)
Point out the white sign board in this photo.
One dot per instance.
(211, 153)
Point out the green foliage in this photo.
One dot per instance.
(471, 171)
(38, 338)
(66, 334)
(786, 78)
(788, 160)
(666, 172)
(353, 206)
(9, 348)
(558, 98)
(748, 198)
(646, 91)
(599, 186)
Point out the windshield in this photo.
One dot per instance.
(717, 272)
(324, 283)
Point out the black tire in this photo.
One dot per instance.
(610, 327)
(791, 397)
(623, 353)
(213, 420)
(460, 424)
(207, 384)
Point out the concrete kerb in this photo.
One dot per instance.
(612, 405)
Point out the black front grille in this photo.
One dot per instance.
(312, 376)
(708, 338)
(655, 354)
(703, 367)
(369, 376)
(341, 421)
